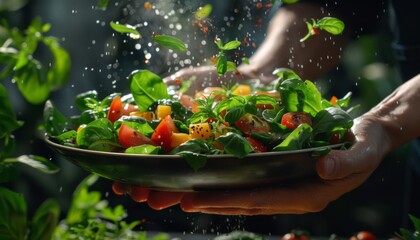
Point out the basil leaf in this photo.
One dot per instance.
(170, 42)
(125, 29)
(235, 144)
(81, 99)
(299, 96)
(203, 12)
(137, 123)
(332, 25)
(13, 212)
(234, 114)
(221, 64)
(8, 121)
(45, 220)
(231, 45)
(55, 123)
(297, 139)
(331, 119)
(147, 88)
(37, 162)
(144, 149)
(100, 129)
(195, 160)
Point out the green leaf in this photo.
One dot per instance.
(82, 99)
(100, 129)
(289, 1)
(8, 121)
(234, 114)
(173, 43)
(297, 139)
(137, 123)
(144, 149)
(45, 220)
(12, 215)
(125, 29)
(195, 160)
(221, 64)
(115, 215)
(59, 71)
(235, 144)
(8, 172)
(147, 88)
(38, 163)
(55, 123)
(102, 4)
(285, 74)
(330, 24)
(299, 96)
(203, 12)
(331, 119)
(231, 67)
(231, 45)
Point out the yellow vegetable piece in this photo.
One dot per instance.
(243, 90)
(200, 130)
(145, 115)
(163, 111)
(178, 139)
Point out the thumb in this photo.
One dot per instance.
(335, 165)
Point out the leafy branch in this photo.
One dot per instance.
(222, 64)
(329, 24)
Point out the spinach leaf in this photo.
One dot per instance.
(100, 129)
(45, 220)
(55, 123)
(144, 149)
(299, 96)
(12, 215)
(331, 119)
(8, 121)
(170, 42)
(137, 123)
(235, 144)
(147, 88)
(298, 139)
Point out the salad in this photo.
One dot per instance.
(241, 119)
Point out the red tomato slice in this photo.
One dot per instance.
(249, 123)
(119, 109)
(163, 133)
(293, 119)
(256, 145)
(129, 137)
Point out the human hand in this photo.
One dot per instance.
(339, 172)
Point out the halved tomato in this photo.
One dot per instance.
(119, 109)
(129, 137)
(163, 133)
(293, 119)
(256, 145)
(250, 123)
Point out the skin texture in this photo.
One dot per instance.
(376, 133)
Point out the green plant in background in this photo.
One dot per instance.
(35, 81)
(90, 217)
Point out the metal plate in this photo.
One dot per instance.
(173, 173)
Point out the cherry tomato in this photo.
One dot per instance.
(335, 138)
(294, 236)
(293, 119)
(120, 188)
(163, 133)
(363, 235)
(256, 145)
(129, 137)
(119, 109)
(250, 123)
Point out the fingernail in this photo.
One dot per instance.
(329, 167)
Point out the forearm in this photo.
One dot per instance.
(282, 48)
(399, 114)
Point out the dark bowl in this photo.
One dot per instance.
(173, 173)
